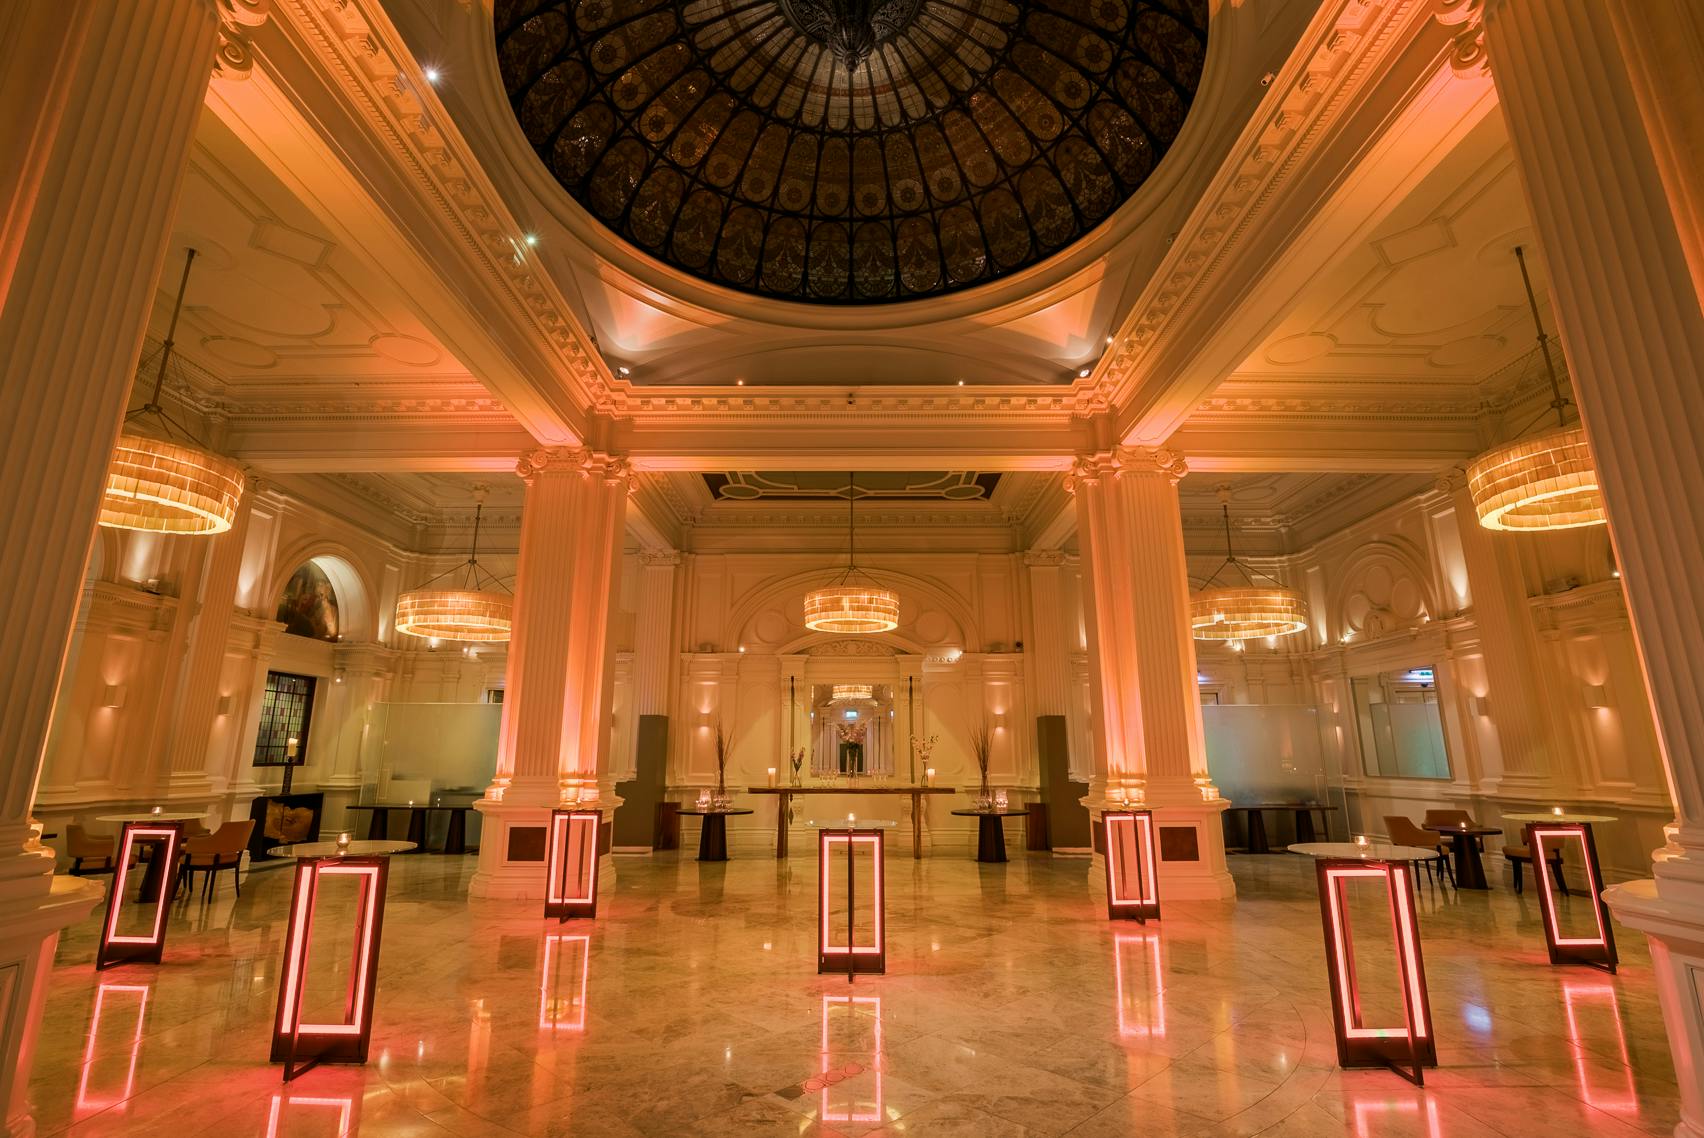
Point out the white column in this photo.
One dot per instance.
(1615, 210)
(554, 741)
(1046, 648)
(654, 659)
(101, 103)
(1149, 737)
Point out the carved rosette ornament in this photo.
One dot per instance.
(614, 470)
(1467, 19)
(233, 58)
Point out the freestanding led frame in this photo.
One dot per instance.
(1132, 885)
(300, 1045)
(850, 955)
(571, 861)
(1410, 1047)
(126, 948)
(1545, 840)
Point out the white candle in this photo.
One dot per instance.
(1556, 810)
(1361, 840)
(343, 840)
(929, 777)
(156, 810)
(771, 776)
(290, 747)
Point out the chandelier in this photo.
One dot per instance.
(1546, 481)
(1260, 606)
(851, 693)
(853, 602)
(162, 484)
(480, 609)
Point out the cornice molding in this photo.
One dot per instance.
(1315, 93)
(361, 52)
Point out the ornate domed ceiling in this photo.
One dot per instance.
(850, 151)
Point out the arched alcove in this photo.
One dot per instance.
(324, 568)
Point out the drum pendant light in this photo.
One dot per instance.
(1260, 606)
(480, 609)
(853, 602)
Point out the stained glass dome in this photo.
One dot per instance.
(842, 152)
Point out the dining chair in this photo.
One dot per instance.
(1519, 856)
(223, 849)
(1403, 831)
(81, 846)
(1454, 819)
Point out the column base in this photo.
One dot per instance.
(1675, 931)
(512, 846)
(31, 933)
(1191, 838)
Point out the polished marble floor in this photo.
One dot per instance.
(692, 1007)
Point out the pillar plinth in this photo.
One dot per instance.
(553, 749)
(1600, 129)
(1149, 741)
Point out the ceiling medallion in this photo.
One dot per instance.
(854, 602)
(479, 610)
(1264, 607)
(850, 151)
(1543, 482)
(164, 485)
(852, 29)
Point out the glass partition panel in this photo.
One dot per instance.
(1402, 732)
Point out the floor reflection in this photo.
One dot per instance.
(1374, 1117)
(300, 1115)
(851, 1089)
(126, 1007)
(1141, 985)
(1595, 1004)
(562, 982)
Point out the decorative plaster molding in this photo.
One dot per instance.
(1466, 18)
(1312, 96)
(665, 558)
(1128, 460)
(850, 648)
(1044, 558)
(612, 469)
(233, 58)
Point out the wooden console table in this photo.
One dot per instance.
(785, 795)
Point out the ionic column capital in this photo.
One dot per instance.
(612, 469)
(1466, 19)
(233, 58)
(1044, 558)
(661, 558)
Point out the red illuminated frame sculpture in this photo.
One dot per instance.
(1545, 840)
(571, 861)
(161, 877)
(1410, 1047)
(300, 1045)
(848, 955)
(1132, 885)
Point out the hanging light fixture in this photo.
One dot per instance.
(480, 609)
(851, 693)
(1260, 606)
(171, 484)
(1546, 481)
(854, 602)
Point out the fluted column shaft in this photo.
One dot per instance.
(1149, 739)
(100, 105)
(1598, 132)
(554, 740)
(1049, 676)
(654, 660)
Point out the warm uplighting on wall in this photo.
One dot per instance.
(479, 610)
(1544, 482)
(161, 484)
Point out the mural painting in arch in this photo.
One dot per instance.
(308, 604)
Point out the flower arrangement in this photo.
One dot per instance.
(797, 761)
(852, 732)
(982, 748)
(721, 764)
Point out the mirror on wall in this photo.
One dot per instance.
(852, 730)
(1402, 731)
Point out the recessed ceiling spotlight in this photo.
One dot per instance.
(739, 382)
(531, 239)
(624, 370)
(1083, 373)
(961, 383)
(1109, 341)
(433, 75)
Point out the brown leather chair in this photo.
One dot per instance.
(1404, 831)
(81, 846)
(1519, 856)
(223, 849)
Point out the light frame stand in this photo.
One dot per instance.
(302, 1046)
(571, 864)
(1131, 856)
(167, 838)
(851, 957)
(1594, 952)
(1413, 1047)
